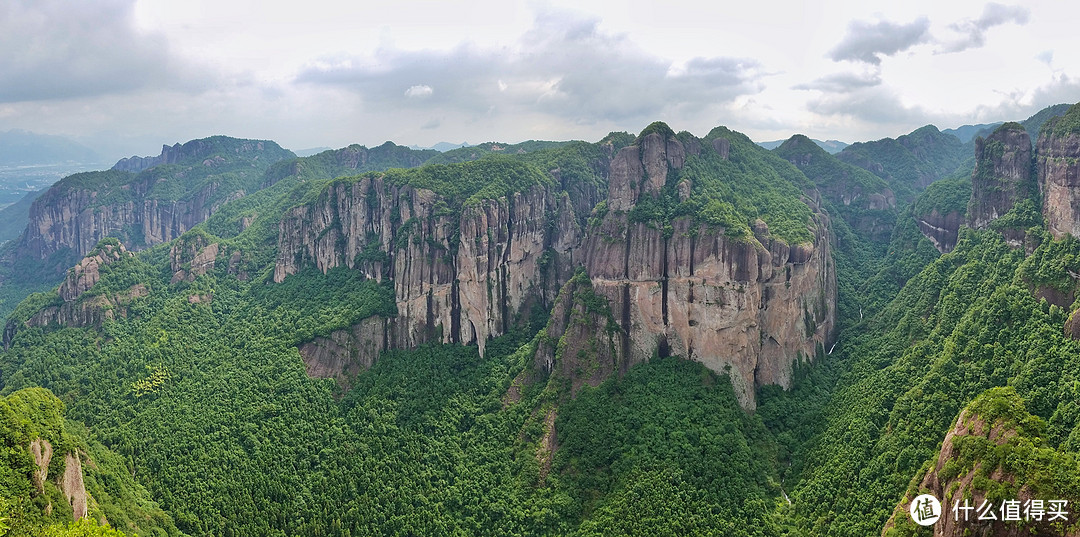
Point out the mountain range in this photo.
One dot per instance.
(653, 333)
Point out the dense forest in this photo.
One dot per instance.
(174, 375)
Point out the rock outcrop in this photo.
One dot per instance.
(203, 149)
(72, 485)
(456, 279)
(985, 447)
(189, 259)
(943, 230)
(751, 306)
(1058, 165)
(142, 209)
(1003, 174)
(42, 451)
(74, 306)
(345, 353)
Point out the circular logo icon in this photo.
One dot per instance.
(925, 510)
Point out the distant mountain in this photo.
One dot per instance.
(442, 147)
(831, 146)
(24, 148)
(311, 151)
(13, 218)
(473, 152)
(967, 133)
(861, 198)
(910, 162)
(1032, 124)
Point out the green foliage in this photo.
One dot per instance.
(1034, 124)
(909, 162)
(945, 196)
(30, 414)
(85, 527)
(316, 304)
(666, 450)
(1023, 216)
(848, 188)
(479, 151)
(732, 193)
(1009, 455)
(960, 327)
(1064, 125)
(831, 175)
(349, 160)
(656, 127)
(34, 303)
(468, 183)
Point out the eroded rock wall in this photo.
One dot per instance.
(456, 279)
(1058, 165)
(752, 305)
(1003, 174)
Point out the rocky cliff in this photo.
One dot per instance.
(1003, 174)
(752, 306)
(1058, 151)
(459, 276)
(466, 271)
(993, 453)
(153, 206)
(73, 305)
(195, 149)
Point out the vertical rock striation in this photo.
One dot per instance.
(1003, 174)
(457, 277)
(155, 205)
(1058, 165)
(749, 306)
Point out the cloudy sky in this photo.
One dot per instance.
(125, 76)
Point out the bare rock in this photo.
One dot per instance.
(71, 484)
(1058, 165)
(1003, 174)
(345, 353)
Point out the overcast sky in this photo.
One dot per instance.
(126, 76)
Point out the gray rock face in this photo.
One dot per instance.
(345, 353)
(1003, 174)
(455, 280)
(73, 221)
(76, 307)
(754, 306)
(943, 230)
(1059, 179)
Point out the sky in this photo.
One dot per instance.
(126, 76)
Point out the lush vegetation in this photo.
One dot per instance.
(963, 325)
(198, 397)
(474, 152)
(1063, 125)
(910, 162)
(945, 196)
(29, 506)
(856, 195)
(731, 193)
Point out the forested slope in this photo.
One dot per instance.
(523, 340)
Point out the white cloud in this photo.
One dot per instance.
(419, 92)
